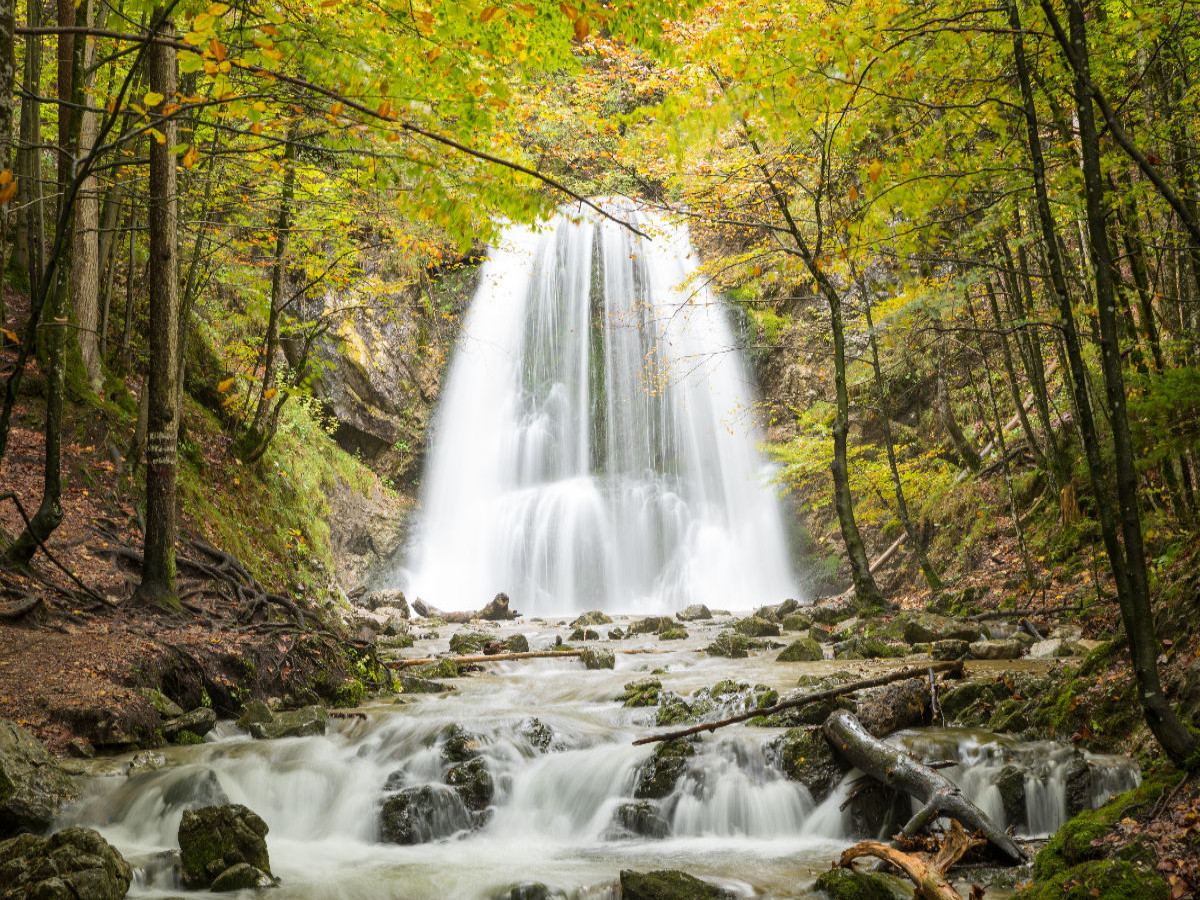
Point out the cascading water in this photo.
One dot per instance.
(595, 445)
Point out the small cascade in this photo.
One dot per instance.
(595, 446)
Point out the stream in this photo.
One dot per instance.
(732, 818)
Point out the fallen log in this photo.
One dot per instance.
(955, 667)
(929, 877)
(894, 768)
(499, 657)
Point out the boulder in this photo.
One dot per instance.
(595, 617)
(414, 684)
(803, 755)
(678, 633)
(732, 645)
(829, 615)
(213, 839)
(537, 734)
(902, 704)
(820, 634)
(643, 692)
(458, 744)
(694, 613)
(796, 622)
(756, 627)
(498, 610)
(392, 599)
(652, 625)
(32, 784)
(192, 788)
(163, 705)
(254, 712)
(72, 864)
(948, 650)
(925, 628)
(241, 877)
(641, 818)
(304, 722)
(668, 884)
(848, 884)
(803, 650)
(469, 643)
(658, 775)
(473, 782)
(190, 727)
(518, 643)
(1079, 779)
(529, 890)
(598, 659)
(971, 703)
(584, 634)
(1010, 782)
(996, 650)
(417, 815)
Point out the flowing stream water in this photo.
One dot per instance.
(732, 818)
(595, 446)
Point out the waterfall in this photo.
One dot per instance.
(595, 446)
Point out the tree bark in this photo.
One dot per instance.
(85, 268)
(8, 83)
(158, 568)
(894, 768)
(966, 451)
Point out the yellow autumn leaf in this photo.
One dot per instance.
(152, 98)
(874, 171)
(158, 136)
(217, 9)
(191, 157)
(217, 49)
(6, 176)
(11, 335)
(226, 384)
(488, 14)
(582, 27)
(853, 193)
(269, 393)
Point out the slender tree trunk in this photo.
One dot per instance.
(885, 415)
(30, 241)
(85, 269)
(158, 568)
(1136, 614)
(1011, 371)
(966, 451)
(8, 84)
(125, 359)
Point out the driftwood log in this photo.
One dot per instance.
(893, 767)
(928, 876)
(955, 667)
(502, 657)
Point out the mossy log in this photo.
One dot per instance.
(893, 767)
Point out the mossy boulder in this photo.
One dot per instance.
(925, 628)
(694, 613)
(659, 774)
(732, 645)
(72, 864)
(443, 668)
(830, 615)
(642, 818)
(803, 755)
(595, 658)
(163, 705)
(215, 838)
(972, 702)
(652, 625)
(948, 650)
(848, 884)
(417, 815)
(803, 650)
(868, 648)
(584, 634)
(1110, 879)
(413, 684)
(643, 692)
(304, 722)
(678, 633)
(469, 643)
(32, 784)
(668, 884)
(457, 744)
(902, 704)
(518, 643)
(1010, 716)
(190, 726)
(473, 782)
(537, 734)
(796, 622)
(756, 627)
(595, 617)
(241, 877)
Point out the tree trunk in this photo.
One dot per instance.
(8, 84)
(85, 268)
(894, 768)
(966, 451)
(158, 568)
(1128, 555)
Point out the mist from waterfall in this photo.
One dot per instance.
(595, 444)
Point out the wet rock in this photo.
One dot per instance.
(32, 784)
(458, 744)
(498, 610)
(642, 818)
(868, 648)
(694, 613)
(668, 884)
(849, 884)
(877, 812)
(948, 650)
(443, 668)
(803, 755)
(72, 864)
(584, 634)
(903, 704)
(829, 615)
(304, 722)
(796, 622)
(803, 650)
(80, 748)
(194, 789)
(190, 727)
(972, 702)
(820, 634)
(1011, 783)
(643, 692)
(1010, 715)
(925, 628)
(241, 877)
(518, 643)
(616, 634)
(252, 712)
(595, 617)
(678, 633)
(756, 627)
(163, 705)
(652, 625)
(658, 775)
(215, 838)
(732, 645)
(413, 684)
(1079, 780)
(594, 658)
(473, 782)
(390, 599)
(996, 650)
(146, 761)
(537, 734)
(469, 643)
(529, 890)
(417, 815)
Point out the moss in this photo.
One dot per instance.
(643, 692)
(847, 884)
(1111, 879)
(348, 693)
(803, 650)
(659, 774)
(187, 737)
(443, 668)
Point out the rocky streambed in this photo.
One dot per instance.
(520, 779)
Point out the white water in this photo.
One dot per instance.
(595, 445)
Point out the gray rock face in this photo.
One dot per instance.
(73, 864)
(213, 839)
(1079, 781)
(393, 600)
(32, 784)
(1011, 784)
(417, 815)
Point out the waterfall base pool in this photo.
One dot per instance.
(554, 816)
